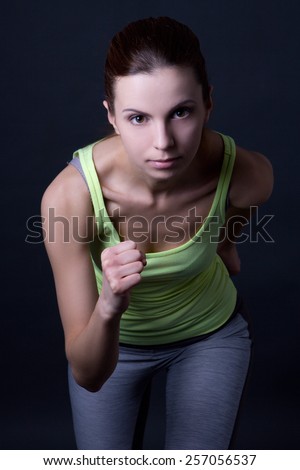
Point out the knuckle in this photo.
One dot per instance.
(110, 275)
(131, 244)
(104, 256)
(107, 258)
(140, 266)
(113, 285)
(138, 277)
(104, 261)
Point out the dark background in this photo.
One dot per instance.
(52, 90)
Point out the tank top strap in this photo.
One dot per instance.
(226, 172)
(103, 222)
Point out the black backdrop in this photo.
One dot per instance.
(52, 91)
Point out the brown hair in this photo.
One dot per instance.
(144, 45)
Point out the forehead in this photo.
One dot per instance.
(165, 85)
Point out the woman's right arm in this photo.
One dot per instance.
(90, 322)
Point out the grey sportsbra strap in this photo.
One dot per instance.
(77, 164)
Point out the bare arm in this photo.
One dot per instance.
(251, 186)
(90, 322)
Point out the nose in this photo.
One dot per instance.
(163, 138)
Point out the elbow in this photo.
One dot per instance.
(268, 186)
(268, 178)
(85, 377)
(263, 182)
(92, 385)
(92, 388)
(92, 381)
(88, 375)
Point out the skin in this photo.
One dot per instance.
(162, 161)
(160, 116)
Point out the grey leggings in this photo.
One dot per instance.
(204, 384)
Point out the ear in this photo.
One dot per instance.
(209, 104)
(111, 117)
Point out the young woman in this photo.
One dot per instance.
(142, 248)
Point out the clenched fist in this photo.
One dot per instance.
(121, 266)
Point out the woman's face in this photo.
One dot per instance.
(160, 118)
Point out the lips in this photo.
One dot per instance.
(164, 163)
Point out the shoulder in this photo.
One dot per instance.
(67, 199)
(252, 179)
(66, 190)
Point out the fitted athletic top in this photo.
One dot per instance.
(185, 291)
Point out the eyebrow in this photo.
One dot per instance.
(178, 105)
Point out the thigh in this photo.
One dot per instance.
(204, 388)
(106, 419)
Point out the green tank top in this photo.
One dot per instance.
(185, 291)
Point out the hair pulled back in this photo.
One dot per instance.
(145, 45)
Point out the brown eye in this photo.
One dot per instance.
(181, 113)
(137, 119)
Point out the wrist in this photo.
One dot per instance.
(106, 313)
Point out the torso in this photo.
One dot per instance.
(166, 221)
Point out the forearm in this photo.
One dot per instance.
(92, 346)
(93, 354)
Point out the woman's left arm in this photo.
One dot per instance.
(251, 186)
(252, 179)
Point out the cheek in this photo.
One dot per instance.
(191, 134)
(134, 141)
